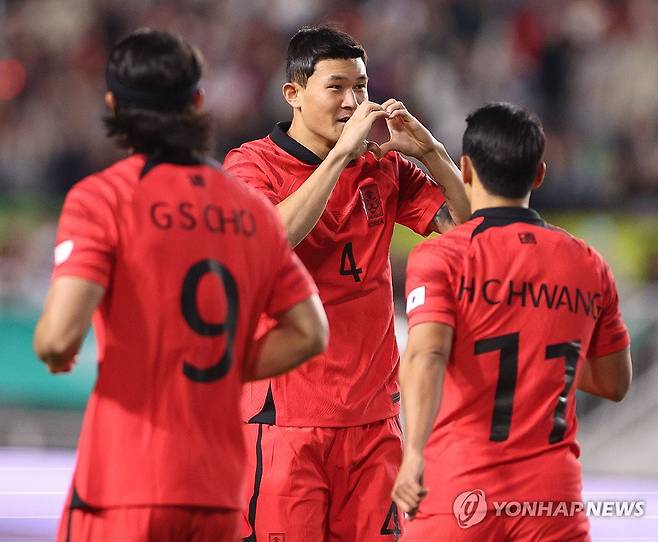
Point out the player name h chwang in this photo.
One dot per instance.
(528, 294)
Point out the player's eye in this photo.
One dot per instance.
(360, 86)
(335, 87)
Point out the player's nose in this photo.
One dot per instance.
(350, 100)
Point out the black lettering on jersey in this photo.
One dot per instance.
(580, 299)
(511, 293)
(543, 291)
(247, 222)
(564, 293)
(485, 293)
(188, 222)
(492, 291)
(470, 289)
(596, 308)
(160, 216)
(211, 217)
(188, 217)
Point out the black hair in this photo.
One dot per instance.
(506, 145)
(314, 43)
(154, 76)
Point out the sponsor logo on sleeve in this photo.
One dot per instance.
(63, 251)
(416, 298)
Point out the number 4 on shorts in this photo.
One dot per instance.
(391, 523)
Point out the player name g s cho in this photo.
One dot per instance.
(188, 216)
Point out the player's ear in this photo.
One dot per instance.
(539, 178)
(466, 167)
(198, 99)
(291, 93)
(110, 102)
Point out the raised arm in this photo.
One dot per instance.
(410, 137)
(301, 210)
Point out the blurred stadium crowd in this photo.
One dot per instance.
(588, 67)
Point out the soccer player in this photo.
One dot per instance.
(325, 440)
(508, 315)
(178, 261)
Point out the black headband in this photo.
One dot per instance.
(171, 100)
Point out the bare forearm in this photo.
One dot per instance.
(421, 381)
(608, 377)
(301, 210)
(281, 351)
(301, 332)
(447, 175)
(56, 348)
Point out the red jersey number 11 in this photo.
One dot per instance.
(508, 366)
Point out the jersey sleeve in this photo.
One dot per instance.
(240, 164)
(428, 292)
(419, 198)
(87, 236)
(610, 334)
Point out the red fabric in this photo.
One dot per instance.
(322, 484)
(355, 381)
(151, 435)
(489, 285)
(150, 524)
(444, 528)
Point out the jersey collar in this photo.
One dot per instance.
(158, 158)
(281, 138)
(504, 216)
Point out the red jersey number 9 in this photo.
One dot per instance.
(191, 314)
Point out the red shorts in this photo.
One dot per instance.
(149, 524)
(444, 528)
(322, 484)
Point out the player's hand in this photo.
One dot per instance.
(408, 135)
(61, 366)
(408, 491)
(353, 140)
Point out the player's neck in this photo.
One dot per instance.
(300, 133)
(480, 199)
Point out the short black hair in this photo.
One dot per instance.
(154, 76)
(506, 144)
(314, 43)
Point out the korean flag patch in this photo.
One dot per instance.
(416, 298)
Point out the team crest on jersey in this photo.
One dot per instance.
(372, 204)
(277, 537)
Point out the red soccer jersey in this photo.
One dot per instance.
(528, 303)
(347, 253)
(189, 258)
